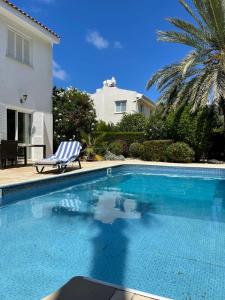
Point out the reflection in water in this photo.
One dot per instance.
(103, 206)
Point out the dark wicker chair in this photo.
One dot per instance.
(9, 152)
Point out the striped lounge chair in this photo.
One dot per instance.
(66, 153)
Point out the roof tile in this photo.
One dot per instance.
(31, 18)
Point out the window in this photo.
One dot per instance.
(121, 106)
(18, 47)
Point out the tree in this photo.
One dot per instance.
(199, 78)
(132, 123)
(156, 128)
(193, 129)
(73, 113)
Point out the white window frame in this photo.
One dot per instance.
(121, 103)
(24, 38)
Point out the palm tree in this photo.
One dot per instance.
(199, 78)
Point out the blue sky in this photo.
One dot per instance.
(103, 38)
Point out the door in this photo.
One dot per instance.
(19, 127)
(24, 128)
(11, 124)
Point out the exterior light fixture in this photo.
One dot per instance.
(23, 99)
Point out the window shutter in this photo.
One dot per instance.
(19, 48)
(11, 44)
(26, 52)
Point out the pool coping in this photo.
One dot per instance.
(119, 164)
(69, 174)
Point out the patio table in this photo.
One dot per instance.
(26, 146)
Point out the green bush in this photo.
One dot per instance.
(132, 122)
(155, 150)
(125, 147)
(116, 148)
(180, 152)
(135, 150)
(128, 137)
(103, 126)
(216, 145)
(100, 148)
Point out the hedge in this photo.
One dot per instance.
(128, 137)
(155, 150)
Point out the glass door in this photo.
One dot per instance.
(11, 124)
(24, 128)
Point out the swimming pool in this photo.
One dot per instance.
(156, 229)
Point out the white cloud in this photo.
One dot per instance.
(117, 45)
(58, 72)
(97, 40)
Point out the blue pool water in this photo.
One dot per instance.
(157, 230)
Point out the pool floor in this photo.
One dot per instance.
(161, 234)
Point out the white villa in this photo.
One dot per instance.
(111, 102)
(26, 78)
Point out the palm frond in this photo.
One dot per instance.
(199, 78)
(180, 38)
(191, 13)
(213, 14)
(198, 33)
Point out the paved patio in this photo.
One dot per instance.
(22, 174)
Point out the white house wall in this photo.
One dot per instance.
(104, 101)
(17, 79)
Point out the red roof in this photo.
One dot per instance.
(31, 18)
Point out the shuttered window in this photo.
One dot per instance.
(11, 44)
(26, 53)
(18, 47)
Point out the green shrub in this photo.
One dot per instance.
(216, 145)
(180, 152)
(103, 126)
(155, 150)
(116, 148)
(132, 122)
(100, 148)
(125, 147)
(128, 137)
(135, 150)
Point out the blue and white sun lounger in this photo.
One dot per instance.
(66, 153)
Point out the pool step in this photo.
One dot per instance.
(88, 289)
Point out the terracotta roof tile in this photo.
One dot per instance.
(31, 18)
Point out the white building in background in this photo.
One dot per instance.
(111, 102)
(25, 78)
